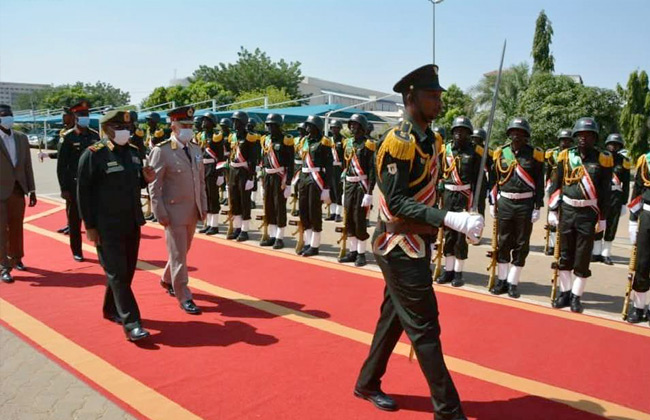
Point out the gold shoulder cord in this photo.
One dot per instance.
(267, 145)
(644, 176)
(574, 175)
(349, 152)
(447, 169)
(507, 172)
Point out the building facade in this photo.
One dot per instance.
(9, 92)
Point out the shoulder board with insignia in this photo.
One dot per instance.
(479, 150)
(371, 145)
(325, 141)
(162, 143)
(399, 142)
(538, 154)
(252, 137)
(606, 159)
(216, 138)
(139, 132)
(96, 146)
(288, 140)
(563, 155)
(627, 164)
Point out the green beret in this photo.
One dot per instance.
(115, 116)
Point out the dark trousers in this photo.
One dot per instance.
(74, 222)
(275, 205)
(12, 213)
(212, 193)
(577, 232)
(612, 218)
(309, 205)
(240, 199)
(514, 240)
(337, 185)
(355, 215)
(455, 242)
(410, 305)
(642, 274)
(118, 255)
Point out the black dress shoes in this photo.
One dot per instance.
(330, 218)
(268, 242)
(576, 305)
(138, 333)
(513, 292)
(446, 277)
(20, 266)
(458, 279)
(563, 300)
(212, 230)
(189, 307)
(279, 244)
(205, 229)
(65, 230)
(234, 234)
(303, 250)
(349, 257)
(243, 236)
(338, 219)
(377, 398)
(501, 288)
(636, 315)
(78, 258)
(6, 277)
(361, 260)
(168, 287)
(310, 252)
(608, 260)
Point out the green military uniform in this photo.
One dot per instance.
(550, 172)
(519, 193)
(581, 193)
(110, 179)
(338, 142)
(213, 165)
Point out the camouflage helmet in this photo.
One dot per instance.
(520, 123)
(462, 122)
(479, 133)
(225, 122)
(615, 138)
(211, 117)
(274, 119)
(585, 124)
(441, 131)
(316, 121)
(154, 116)
(564, 133)
(241, 116)
(336, 123)
(361, 120)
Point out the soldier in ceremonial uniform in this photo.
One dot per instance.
(359, 158)
(639, 230)
(478, 138)
(407, 173)
(336, 209)
(73, 143)
(179, 201)
(213, 164)
(565, 139)
(243, 163)
(110, 178)
(518, 192)
(618, 199)
(461, 163)
(277, 166)
(581, 194)
(297, 164)
(314, 183)
(225, 124)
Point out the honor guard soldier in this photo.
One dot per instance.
(620, 186)
(243, 163)
(198, 125)
(580, 197)
(178, 200)
(226, 126)
(639, 229)
(297, 164)
(74, 142)
(110, 178)
(359, 158)
(277, 166)
(336, 208)
(407, 173)
(565, 139)
(213, 165)
(154, 134)
(253, 122)
(137, 135)
(478, 139)
(461, 165)
(314, 183)
(519, 194)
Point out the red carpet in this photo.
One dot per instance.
(237, 362)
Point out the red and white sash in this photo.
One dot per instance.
(211, 153)
(315, 174)
(616, 182)
(590, 189)
(455, 177)
(525, 176)
(359, 171)
(635, 205)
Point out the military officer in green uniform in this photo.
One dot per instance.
(461, 165)
(359, 156)
(73, 143)
(336, 208)
(639, 229)
(314, 184)
(277, 166)
(565, 139)
(110, 178)
(618, 199)
(579, 202)
(244, 154)
(213, 165)
(407, 173)
(478, 139)
(518, 192)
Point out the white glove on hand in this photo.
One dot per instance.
(601, 226)
(249, 185)
(633, 229)
(220, 181)
(367, 200)
(287, 192)
(535, 216)
(552, 218)
(623, 210)
(469, 224)
(325, 196)
(493, 211)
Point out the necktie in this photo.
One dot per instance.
(187, 153)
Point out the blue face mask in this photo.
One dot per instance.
(83, 121)
(7, 122)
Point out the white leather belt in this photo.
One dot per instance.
(579, 203)
(516, 196)
(226, 154)
(274, 170)
(238, 164)
(297, 162)
(206, 161)
(337, 163)
(454, 187)
(617, 188)
(310, 170)
(356, 178)
(646, 207)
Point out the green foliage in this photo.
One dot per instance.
(455, 103)
(634, 119)
(253, 71)
(98, 94)
(197, 91)
(543, 60)
(274, 95)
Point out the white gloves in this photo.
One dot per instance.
(249, 185)
(493, 211)
(552, 218)
(535, 216)
(469, 224)
(220, 181)
(287, 192)
(325, 196)
(633, 229)
(623, 210)
(367, 200)
(601, 226)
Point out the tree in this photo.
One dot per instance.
(98, 94)
(635, 115)
(273, 94)
(455, 103)
(197, 91)
(253, 71)
(543, 60)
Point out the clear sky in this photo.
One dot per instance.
(137, 45)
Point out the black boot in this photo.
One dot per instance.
(512, 291)
(279, 244)
(636, 315)
(500, 288)
(213, 230)
(458, 279)
(243, 236)
(205, 229)
(235, 233)
(349, 257)
(576, 305)
(268, 242)
(445, 277)
(304, 249)
(608, 260)
(361, 260)
(310, 252)
(562, 300)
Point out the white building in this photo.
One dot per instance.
(9, 92)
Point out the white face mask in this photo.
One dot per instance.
(184, 135)
(7, 122)
(83, 121)
(121, 137)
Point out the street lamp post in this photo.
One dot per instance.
(433, 4)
